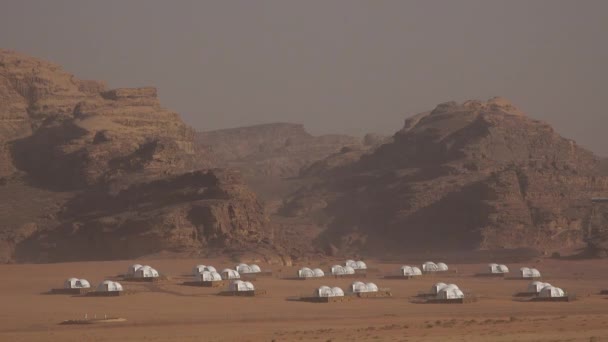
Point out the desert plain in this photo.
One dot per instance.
(169, 311)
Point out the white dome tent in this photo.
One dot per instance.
(255, 268)
(337, 292)
(360, 265)
(146, 272)
(551, 292)
(109, 286)
(239, 285)
(327, 292)
(429, 266)
(371, 287)
(529, 272)
(324, 291)
(75, 283)
(437, 287)
(305, 272)
(410, 271)
(358, 287)
(441, 267)
(498, 269)
(243, 268)
(209, 276)
(450, 292)
(318, 273)
(228, 274)
(536, 286)
(198, 269)
(132, 269)
(356, 265)
(338, 270)
(342, 270)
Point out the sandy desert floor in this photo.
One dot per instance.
(172, 312)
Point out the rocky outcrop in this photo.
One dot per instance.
(105, 132)
(463, 177)
(199, 213)
(270, 150)
(101, 173)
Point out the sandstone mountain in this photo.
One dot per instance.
(271, 156)
(96, 173)
(271, 150)
(477, 175)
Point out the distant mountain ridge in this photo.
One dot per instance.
(275, 149)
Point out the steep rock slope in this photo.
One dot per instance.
(71, 150)
(462, 177)
(196, 213)
(271, 150)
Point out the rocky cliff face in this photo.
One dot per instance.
(81, 145)
(271, 156)
(198, 213)
(463, 176)
(271, 150)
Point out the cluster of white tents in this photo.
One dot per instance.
(545, 290)
(239, 285)
(306, 272)
(75, 283)
(244, 268)
(230, 274)
(198, 269)
(430, 266)
(527, 272)
(109, 286)
(410, 271)
(342, 270)
(326, 291)
(356, 265)
(498, 268)
(446, 291)
(210, 273)
(363, 287)
(139, 271)
(206, 273)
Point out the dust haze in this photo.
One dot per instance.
(348, 67)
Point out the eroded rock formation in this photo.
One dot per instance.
(99, 173)
(271, 150)
(463, 176)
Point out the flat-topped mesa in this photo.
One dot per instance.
(92, 87)
(130, 93)
(492, 106)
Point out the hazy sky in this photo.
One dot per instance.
(335, 66)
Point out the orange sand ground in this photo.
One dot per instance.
(172, 312)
